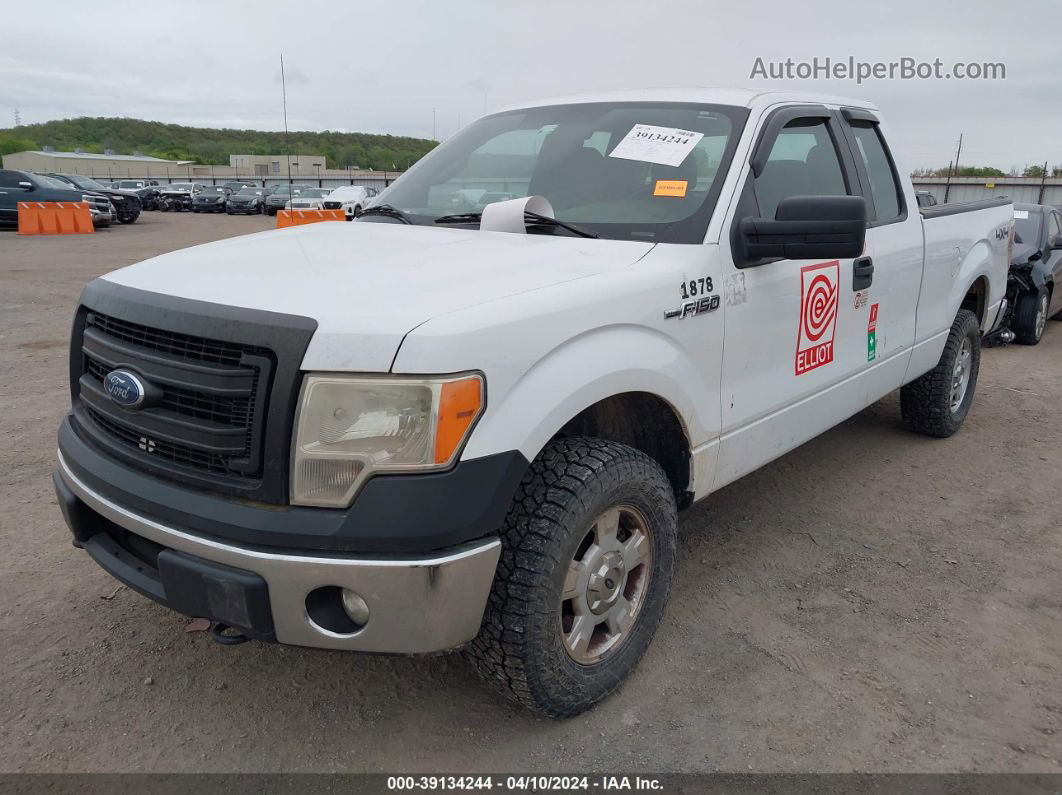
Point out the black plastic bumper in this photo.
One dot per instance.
(392, 513)
(182, 582)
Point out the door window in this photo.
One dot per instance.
(803, 162)
(10, 179)
(884, 187)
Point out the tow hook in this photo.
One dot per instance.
(219, 633)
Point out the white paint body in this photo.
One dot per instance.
(558, 323)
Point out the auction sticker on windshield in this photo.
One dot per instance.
(666, 146)
(818, 315)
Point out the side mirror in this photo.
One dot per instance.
(25, 185)
(807, 227)
(1056, 244)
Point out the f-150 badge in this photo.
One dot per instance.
(698, 306)
(818, 315)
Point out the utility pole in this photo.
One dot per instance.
(287, 141)
(18, 118)
(1043, 185)
(953, 167)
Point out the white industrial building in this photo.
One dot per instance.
(106, 165)
(302, 165)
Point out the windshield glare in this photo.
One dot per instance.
(568, 154)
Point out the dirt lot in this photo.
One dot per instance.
(874, 601)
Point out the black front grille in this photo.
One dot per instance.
(333, 205)
(178, 454)
(222, 385)
(171, 341)
(203, 411)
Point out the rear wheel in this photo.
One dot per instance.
(588, 551)
(1030, 316)
(936, 404)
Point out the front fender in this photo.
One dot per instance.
(576, 374)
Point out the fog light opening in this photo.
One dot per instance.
(336, 610)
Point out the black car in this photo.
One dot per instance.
(1035, 271)
(211, 199)
(21, 186)
(236, 187)
(247, 201)
(126, 202)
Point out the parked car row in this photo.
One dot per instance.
(246, 198)
(106, 205)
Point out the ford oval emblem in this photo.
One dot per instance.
(124, 388)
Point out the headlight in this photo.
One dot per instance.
(349, 428)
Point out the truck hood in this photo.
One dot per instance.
(368, 284)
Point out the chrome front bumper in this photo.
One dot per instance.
(416, 605)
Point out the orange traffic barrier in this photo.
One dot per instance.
(299, 217)
(54, 218)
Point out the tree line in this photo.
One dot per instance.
(213, 146)
(988, 171)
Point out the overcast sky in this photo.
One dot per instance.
(383, 67)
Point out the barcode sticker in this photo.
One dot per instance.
(667, 146)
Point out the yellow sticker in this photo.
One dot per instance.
(670, 187)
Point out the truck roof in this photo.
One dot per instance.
(740, 97)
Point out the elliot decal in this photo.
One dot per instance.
(818, 315)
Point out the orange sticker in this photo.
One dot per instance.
(670, 187)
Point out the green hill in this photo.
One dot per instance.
(212, 146)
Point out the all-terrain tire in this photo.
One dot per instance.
(926, 402)
(520, 648)
(1028, 324)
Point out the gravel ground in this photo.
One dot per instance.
(873, 601)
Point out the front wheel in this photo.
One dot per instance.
(1030, 316)
(588, 552)
(936, 404)
(128, 218)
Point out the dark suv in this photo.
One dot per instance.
(126, 202)
(22, 186)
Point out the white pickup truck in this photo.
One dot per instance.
(428, 430)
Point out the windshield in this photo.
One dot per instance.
(250, 192)
(637, 171)
(212, 189)
(284, 190)
(1027, 227)
(54, 182)
(180, 185)
(313, 193)
(84, 182)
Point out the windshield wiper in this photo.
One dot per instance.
(388, 211)
(545, 220)
(534, 218)
(459, 218)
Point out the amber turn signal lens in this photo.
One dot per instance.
(459, 404)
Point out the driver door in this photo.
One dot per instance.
(796, 334)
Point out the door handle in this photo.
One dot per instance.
(862, 273)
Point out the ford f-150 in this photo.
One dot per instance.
(428, 430)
